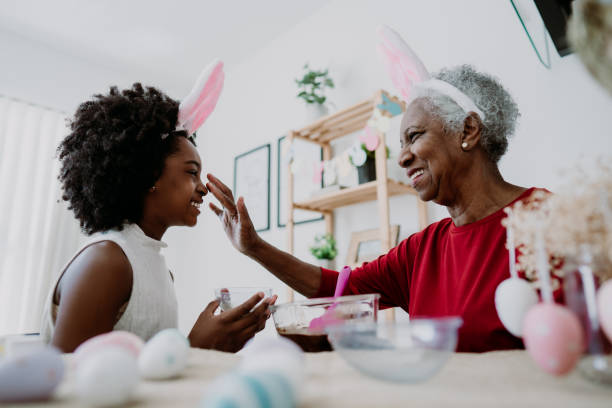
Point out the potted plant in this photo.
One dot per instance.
(324, 249)
(366, 171)
(312, 87)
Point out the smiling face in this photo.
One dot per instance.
(431, 155)
(178, 192)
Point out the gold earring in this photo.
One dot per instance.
(464, 145)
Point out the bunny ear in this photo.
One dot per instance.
(403, 65)
(204, 108)
(201, 101)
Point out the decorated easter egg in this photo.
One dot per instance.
(604, 306)
(553, 337)
(275, 355)
(32, 376)
(126, 340)
(513, 299)
(164, 355)
(250, 390)
(107, 377)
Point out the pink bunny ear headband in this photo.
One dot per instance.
(408, 72)
(201, 101)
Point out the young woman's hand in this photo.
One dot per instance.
(234, 216)
(230, 330)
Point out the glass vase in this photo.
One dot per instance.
(580, 286)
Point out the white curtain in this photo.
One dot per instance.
(37, 232)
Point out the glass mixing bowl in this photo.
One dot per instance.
(292, 320)
(405, 352)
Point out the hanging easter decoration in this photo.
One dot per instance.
(552, 333)
(514, 296)
(357, 155)
(317, 172)
(389, 106)
(343, 164)
(369, 138)
(380, 121)
(604, 306)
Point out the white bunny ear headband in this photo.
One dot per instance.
(201, 101)
(407, 71)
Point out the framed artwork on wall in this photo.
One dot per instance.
(252, 181)
(365, 246)
(304, 155)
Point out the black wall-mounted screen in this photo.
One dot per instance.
(555, 14)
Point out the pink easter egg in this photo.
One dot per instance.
(553, 337)
(122, 339)
(604, 306)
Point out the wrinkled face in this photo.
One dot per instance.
(179, 191)
(429, 154)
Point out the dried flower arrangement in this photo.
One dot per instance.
(577, 216)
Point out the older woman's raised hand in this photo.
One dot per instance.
(234, 216)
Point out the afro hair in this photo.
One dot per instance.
(115, 152)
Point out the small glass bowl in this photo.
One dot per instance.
(231, 297)
(407, 352)
(292, 320)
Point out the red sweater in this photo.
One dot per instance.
(443, 270)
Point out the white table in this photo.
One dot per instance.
(497, 379)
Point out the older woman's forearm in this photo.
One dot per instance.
(301, 276)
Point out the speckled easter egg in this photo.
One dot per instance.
(513, 299)
(249, 390)
(123, 339)
(604, 307)
(107, 377)
(31, 377)
(553, 337)
(164, 355)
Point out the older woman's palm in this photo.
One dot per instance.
(234, 216)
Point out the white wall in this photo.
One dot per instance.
(564, 117)
(36, 73)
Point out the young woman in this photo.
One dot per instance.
(130, 170)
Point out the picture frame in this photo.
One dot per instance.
(303, 184)
(365, 246)
(252, 181)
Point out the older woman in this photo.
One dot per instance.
(453, 266)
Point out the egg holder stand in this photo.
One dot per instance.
(597, 362)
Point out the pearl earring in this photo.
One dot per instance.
(152, 189)
(464, 145)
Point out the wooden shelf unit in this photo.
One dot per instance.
(322, 132)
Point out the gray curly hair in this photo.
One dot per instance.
(500, 110)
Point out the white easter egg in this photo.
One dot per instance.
(31, 377)
(262, 344)
(249, 390)
(129, 341)
(164, 355)
(275, 355)
(604, 306)
(513, 299)
(108, 377)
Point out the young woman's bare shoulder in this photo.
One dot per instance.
(102, 264)
(91, 294)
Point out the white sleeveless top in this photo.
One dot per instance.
(152, 306)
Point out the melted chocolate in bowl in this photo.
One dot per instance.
(308, 341)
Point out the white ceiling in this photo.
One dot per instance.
(160, 41)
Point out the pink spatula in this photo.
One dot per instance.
(328, 318)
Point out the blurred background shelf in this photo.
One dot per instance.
(322, 132)
(352, 195)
